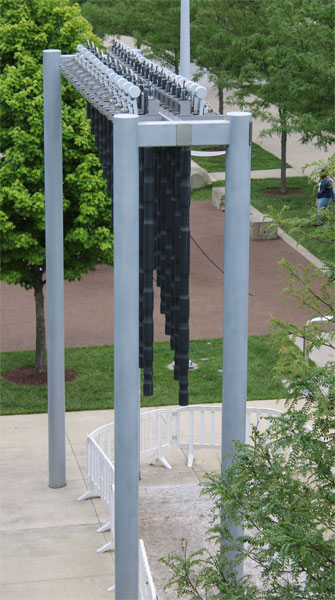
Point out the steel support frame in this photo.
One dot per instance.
(129, 135)
(235, 295)
(54, 265)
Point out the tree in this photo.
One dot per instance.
(272, 53)
(28, 27)
(281, 487)
(155, 25)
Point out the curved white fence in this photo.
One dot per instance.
(191, 427)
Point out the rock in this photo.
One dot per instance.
(262, 228)
(199, 177)
(219, 197)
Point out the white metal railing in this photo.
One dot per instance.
(146, 585)
(197, 426)
(155, 434)
(191, 427)
(101, 481)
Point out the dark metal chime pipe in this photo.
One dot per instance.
(164, 240)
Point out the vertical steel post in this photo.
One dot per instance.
(236, 284)
(184, 66)
(126, 362)
(54, 264)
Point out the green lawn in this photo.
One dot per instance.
(93, 388)
(260, 159)
(298, 205)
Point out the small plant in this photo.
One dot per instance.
(281, 489)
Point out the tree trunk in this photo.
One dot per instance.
(283, 162)
(283, 145)
(40, 364)
(221, 102)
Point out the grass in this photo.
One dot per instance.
(93, 388)
(260, 160)
(298, 205)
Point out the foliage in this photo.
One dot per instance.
(275, 58)
(28, 27)
(93, 388)
(295, 212)
(260, 160)
(155, 25)
(279, 489)
(302, 227)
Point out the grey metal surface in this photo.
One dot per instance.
(185, 58)
(236, 281)
(54, 265)
(236, 286)
(125, 81)
(126, 361)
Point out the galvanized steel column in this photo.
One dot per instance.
(236, 281)
(184, 65)
(126, 362)
(236, 284)
(54, 264)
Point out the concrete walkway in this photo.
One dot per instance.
(49, 540)
(266, 174)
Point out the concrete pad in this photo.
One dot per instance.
(160, 476)
(53, 553)
(33, 466)
(103, 516)
(206, 460)
(167, 514)
(30, 506)
(79, 451)
(81, 423)
(319, 355)
(24, 430)
(260, 174)
(82, 588)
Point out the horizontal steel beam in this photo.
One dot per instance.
(183, 133)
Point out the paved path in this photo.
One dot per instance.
(89, 302)
(49, 540)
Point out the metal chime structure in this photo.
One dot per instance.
(123, 80)
(145, 120)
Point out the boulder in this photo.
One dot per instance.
(199, 177)
(262, 228)
(219, 197)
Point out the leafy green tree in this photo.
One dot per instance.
(154, 24)
(276, 58)
(27, 27)
(281, 487)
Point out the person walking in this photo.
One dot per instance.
(324, 196)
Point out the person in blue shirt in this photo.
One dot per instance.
(324, 196)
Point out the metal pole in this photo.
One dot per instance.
(236, 283)
(184, 66)
(126, 347)
(54, 265)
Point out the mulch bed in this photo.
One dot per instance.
(277, 192)
(28, 376)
